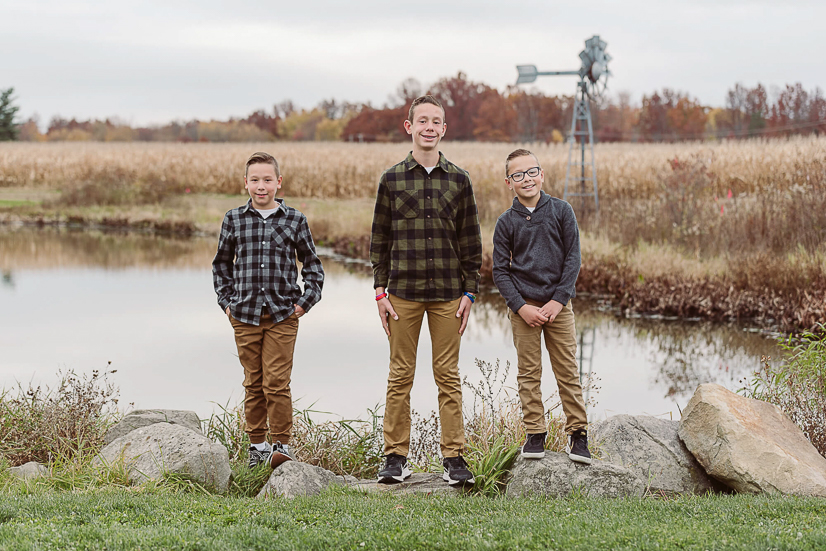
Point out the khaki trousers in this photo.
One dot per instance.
(266, 353)
(560, 340)
(404, 341)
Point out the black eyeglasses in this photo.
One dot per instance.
(519, 176)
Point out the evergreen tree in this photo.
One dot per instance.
(8, 129)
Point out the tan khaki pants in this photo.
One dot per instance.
(404, 341)
(266, 353)
(560, 340)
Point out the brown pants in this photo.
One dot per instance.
(266, 353)
(404, 341)
(560, 340)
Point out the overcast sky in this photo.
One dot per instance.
(156, 61)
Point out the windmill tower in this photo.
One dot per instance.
(593, 78)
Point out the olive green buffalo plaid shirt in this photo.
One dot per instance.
(426, 243)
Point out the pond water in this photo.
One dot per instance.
(79, 299)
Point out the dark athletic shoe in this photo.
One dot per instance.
(534, 446)
(578, 447)
(280, 453)
(258, 457)
(456, 471)
(395, 469)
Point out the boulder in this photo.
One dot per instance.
(750, 445)
(293, 479)
(145, 417)
(418, 483)
(652, 449)
(149, 452)
(32, 469)
(557, 476)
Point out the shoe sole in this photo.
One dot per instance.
(452, 482)
(579, 459)
(532, 455)
(406, 472)
(277, 458)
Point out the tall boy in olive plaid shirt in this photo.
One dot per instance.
(254, 273)
(426, 251)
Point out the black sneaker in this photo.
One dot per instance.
(534, 446)
(279, 454)
(456, 471)
(395, 469)
(578, 447)
(257, 457)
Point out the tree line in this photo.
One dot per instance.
(474, 112)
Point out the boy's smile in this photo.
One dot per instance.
(528, 190)
(262, 183)
(428, 126)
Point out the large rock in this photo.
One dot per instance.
(652, 449)
(145, 417)
(750, 445)
(293, 479)
(557, 476)
(32, 469)
(149, 452)
(418, 483)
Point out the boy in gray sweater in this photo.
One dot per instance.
(536, 262)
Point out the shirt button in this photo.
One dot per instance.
(262, 265)
(528, 218)
(428, 196)
(262, 289)
(428, 216)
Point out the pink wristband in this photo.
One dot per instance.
(381, 296)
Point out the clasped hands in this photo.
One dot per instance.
(536, 316)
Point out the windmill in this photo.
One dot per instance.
(593, 78)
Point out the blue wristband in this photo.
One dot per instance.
(471, 296)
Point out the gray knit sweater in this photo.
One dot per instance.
(536, 254)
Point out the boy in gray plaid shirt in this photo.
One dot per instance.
(255, 278)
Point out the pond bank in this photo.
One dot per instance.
(793, 301)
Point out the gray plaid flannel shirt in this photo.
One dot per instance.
(255, 264)
(426, 242)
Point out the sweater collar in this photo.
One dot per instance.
(544, 198)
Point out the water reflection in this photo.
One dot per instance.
(79, 299)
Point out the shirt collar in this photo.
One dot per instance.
(279, 204)
(410, 162)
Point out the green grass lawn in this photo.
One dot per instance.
(343, 519)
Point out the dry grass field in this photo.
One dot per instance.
(742, 223)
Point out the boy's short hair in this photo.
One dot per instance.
(264, 159)
(420, 100)
(518, 153)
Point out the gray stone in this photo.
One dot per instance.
(293, 479)
(29, 470)
(149, 452)
(145, 417)
(652, 449)
(557, 476)
(418, 483)
(750, 445)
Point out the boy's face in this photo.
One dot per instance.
(262, 183)
(427, 128)
(527, 190)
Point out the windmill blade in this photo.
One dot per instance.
(527, 73)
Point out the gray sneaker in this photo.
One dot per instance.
(257, 457)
